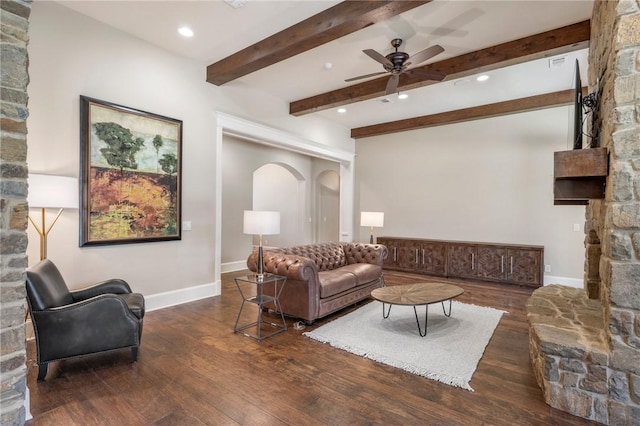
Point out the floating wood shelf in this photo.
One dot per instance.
(579, 175)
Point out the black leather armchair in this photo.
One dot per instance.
(68, 324)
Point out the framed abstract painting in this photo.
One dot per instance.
(130, 174)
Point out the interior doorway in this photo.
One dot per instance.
(328, 207)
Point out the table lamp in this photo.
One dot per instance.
(48, 191)
(372, 220)
(261, 223)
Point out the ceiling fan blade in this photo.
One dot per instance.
(425, 54)
(377, 57)
(428, 75)
(392, 84)
(366, 76)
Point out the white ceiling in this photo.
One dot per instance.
(458, 26)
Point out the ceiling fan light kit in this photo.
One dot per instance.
(397, 63)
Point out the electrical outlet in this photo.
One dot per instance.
(577, 227)
(547, 268)
(186, 225)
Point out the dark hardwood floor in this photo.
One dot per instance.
(192, 369)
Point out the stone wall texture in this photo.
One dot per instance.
(597, 376)
(14, 77)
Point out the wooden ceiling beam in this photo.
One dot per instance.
(532, 103)
(337, 21)
(555, 42)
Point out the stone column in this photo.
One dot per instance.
(14, 20)
(614, 72)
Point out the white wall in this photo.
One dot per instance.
(72, 55)
(488, 180)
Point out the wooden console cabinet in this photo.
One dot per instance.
(507, 263)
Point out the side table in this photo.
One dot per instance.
(260, 299)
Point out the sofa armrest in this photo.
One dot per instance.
(111, 286)
(365, 253)
(292, 266)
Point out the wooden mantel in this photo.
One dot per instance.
(579, 175)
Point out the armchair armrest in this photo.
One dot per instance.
(365, 253)
(113, 286)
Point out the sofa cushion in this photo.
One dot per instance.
(335, 281)
(364, 272)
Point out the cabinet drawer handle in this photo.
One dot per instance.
(395, 254)
(502, 264)
(423, 256)
(472, 262)
(416, 255)
(511, 265)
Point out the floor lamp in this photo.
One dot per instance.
(372, 220)
(46, 192)
(261, 223)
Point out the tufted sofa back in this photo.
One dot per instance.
(365, 253)
(326, 256)
(329, 256)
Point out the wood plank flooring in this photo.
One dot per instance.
(193, 370)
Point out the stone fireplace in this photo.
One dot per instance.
(585, 344)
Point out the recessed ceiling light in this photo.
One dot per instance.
(342, 110)
(185, 31)
(402, 96)
(482, 77)
(328, 65)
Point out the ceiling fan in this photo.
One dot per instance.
(396, 63)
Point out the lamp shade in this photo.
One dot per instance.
(375, 219)
(48, 191)
(261, 222)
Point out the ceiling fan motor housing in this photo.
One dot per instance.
(397, 59)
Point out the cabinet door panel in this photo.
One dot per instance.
(391, 245)
(434, 258)
(492, 262)
(524, 266)
(462, 259)
(408, 255)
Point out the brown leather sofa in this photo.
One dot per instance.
(323, 278)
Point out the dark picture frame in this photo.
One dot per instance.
(130, 175)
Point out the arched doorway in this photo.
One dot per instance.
(279, 187)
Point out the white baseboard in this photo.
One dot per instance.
(27, 404)
(569, 282)
(184, 295)
(233, 266)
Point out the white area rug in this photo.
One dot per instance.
(449, 353)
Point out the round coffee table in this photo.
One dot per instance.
(417, 294)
